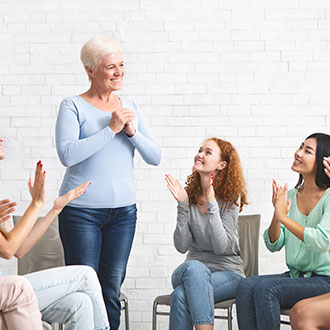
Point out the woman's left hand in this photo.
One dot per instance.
(210, 191)
(326, 163)
(72, 194)
(282, 205)
(129, 128)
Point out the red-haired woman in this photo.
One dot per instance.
(207, 227)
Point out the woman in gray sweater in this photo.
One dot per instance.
(207, 227)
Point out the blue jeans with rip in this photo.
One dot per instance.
(101, 238)
(195, 291)
(259, 299)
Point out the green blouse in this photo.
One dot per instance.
(313, 254)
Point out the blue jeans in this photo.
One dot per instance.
(71, 296)
(195, 291)
(101, 238)
(259, 299)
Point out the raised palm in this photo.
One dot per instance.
(72, 194)
(175, 187)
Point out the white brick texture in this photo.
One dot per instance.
(256, 73)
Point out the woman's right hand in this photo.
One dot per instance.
(178, 192)
(275, 190)
(326, 163)
(38, 187)
(119, 118)
(6, 207)
(72, 194)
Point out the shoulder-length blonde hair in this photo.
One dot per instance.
(229, 183)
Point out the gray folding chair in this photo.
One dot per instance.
(48, 253)
(285, 312)
(248, 230)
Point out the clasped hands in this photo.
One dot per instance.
(122, 118)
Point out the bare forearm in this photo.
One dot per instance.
(274, 230)
(36, 232)
(293, 227)
(11, 241)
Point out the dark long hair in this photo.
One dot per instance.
(322, 150)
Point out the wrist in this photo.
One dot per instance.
(37, 204)
(55, 210)
(113, 129)
(281, 218)
(130, 134)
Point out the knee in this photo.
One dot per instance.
(301, 316)
(264, 289)
(246, 286)
(80, 302)
(178, 297)
(90, 273)
(194, 267)
(25, 287)
(19, 289)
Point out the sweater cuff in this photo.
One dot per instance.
(110, 131)
(183, 205)
(212, 207)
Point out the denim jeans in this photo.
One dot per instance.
(70, 295)
(100, 238)
(259, 299)
(195, 291)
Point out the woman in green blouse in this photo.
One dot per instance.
(312, 313)
(301, 223)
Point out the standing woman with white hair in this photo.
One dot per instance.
(97, 133)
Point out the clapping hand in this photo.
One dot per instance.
(72, 194)
(175, 187)
(210, 191)
(280, 202)
(38, 187)
(326, 163)
(6, 208)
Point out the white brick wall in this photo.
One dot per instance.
(253, 72)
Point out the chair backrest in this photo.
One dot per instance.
(46, 253)
(248, 232)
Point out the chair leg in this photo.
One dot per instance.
(154, 316)
(126, 315)
(230, 318)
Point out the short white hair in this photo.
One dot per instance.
(97, 47)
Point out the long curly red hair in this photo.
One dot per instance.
(229, 184)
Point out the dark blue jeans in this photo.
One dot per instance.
(100, 238)
(259, 299)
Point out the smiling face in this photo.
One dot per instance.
(2, 154)
(110, 72)
(208, 159)
(305, 158)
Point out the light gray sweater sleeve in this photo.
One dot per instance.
(223, 223)
(182, 233)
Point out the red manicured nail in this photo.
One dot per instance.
(44, 172)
